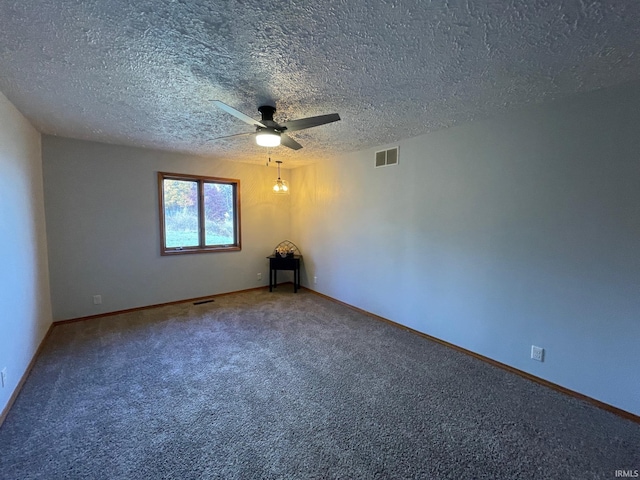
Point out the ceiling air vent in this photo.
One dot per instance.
(385, 158)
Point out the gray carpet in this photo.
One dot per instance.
(260, 385)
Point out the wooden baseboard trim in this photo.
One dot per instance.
(147, 307)
(16, 392)
(604, 406)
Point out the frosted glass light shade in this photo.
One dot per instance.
(267, 139)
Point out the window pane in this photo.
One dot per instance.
(181, 213)
(218, 214)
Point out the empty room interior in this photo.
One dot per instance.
(463, 197)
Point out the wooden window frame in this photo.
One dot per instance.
(201, 248)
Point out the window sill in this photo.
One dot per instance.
(187, 250)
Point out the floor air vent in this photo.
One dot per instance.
(204, 301)
(386, 158)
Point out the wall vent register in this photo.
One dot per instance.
(386, 158)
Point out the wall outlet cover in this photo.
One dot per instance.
(537, 353)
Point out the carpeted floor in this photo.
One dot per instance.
(260, 385)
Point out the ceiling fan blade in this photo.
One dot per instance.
(289, 142)
(234, 135)
(238, 114)
(309, 122)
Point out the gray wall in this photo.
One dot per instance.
(102, 210)
(24, 280)
(495, 236)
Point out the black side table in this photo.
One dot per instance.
(277, 262)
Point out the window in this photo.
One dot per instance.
(198, 214)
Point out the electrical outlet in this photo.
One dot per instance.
(315, 280)
(97, 299)
(259, 276)
(537, 353)
(3, 376)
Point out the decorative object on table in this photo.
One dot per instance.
(280, 187)
(286, 256)
(286, 248)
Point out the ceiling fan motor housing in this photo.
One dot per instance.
(267, 112)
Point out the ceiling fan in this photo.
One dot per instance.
(271, 134)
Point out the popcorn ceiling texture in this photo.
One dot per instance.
(144, 73)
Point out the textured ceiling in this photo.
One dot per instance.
(145, 72)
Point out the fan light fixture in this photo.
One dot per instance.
(271, 134)
(268, 139)
(280, 187)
